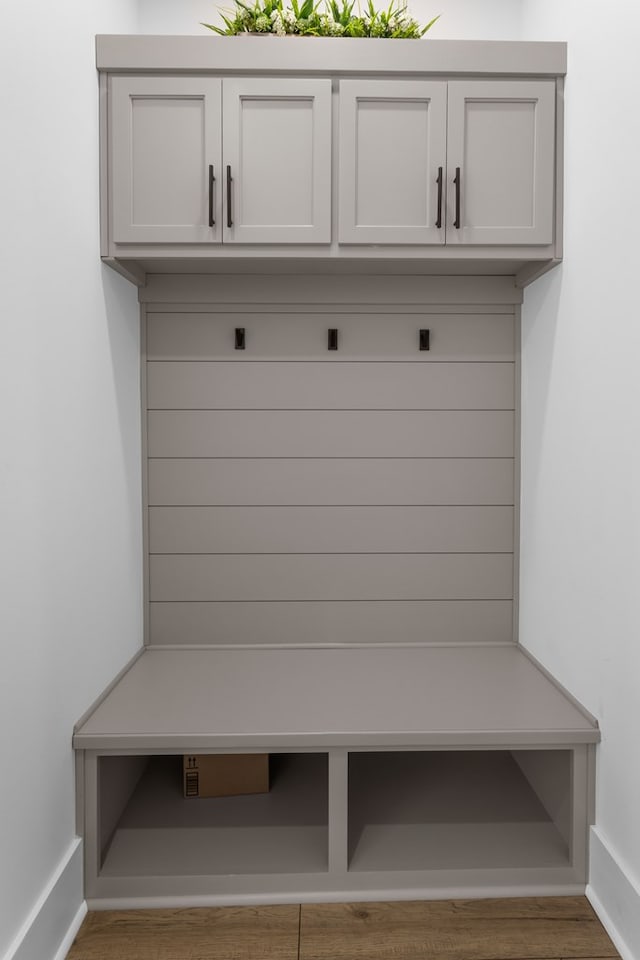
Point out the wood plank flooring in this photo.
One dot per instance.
(543, 928)
(225, 933)
(455, 930)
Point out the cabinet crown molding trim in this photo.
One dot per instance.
(322, 55)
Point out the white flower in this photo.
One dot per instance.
(278, 24)
(262, 24)
(330, 27)
(290, 17)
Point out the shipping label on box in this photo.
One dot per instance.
(225, 775)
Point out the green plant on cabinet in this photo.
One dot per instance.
(307, 19)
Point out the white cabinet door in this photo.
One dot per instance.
(500, 161)
(277, 159)
(392, 161)
(165, 159)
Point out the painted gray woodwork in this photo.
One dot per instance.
(501, 136)
(164, 134)
(392, 143)
(342, 55)
(407, 811)
(284, 109)
(162, 833)
(450, 810)
(259, 531)
(277, 148)
(296, 623)
(521, 264)
(209, 385)
(168, 847)
(118, 779)
(353, 529)
(319, 698)
(357, 503)
(550, 777)
(338, 810)
(321, 433)
(401, 576)
(302, 335)
(330, 482)
(371, 292)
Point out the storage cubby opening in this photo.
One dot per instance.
(148, 828)
(448, 810)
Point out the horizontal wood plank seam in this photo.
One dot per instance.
(316, 457)
(357, 600)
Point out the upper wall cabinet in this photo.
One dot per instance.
(172, 181)
(500, 162)
(165, 145)
(393, 140)
(277, 159)
(492, 144)
(444, 155)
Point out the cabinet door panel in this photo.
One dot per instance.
(392, 142)
(501, 136)
(277, 144)
(165, 133)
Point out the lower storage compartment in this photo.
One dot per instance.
(345, 824)
(459, 810)
(147, 828)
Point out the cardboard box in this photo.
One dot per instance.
(225, 775)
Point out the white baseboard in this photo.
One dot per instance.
(614, 896)
(55, 918)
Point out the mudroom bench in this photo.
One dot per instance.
(330, 386)
(395, 772)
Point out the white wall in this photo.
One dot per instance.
(580, 565)
(459, 19)
(70, 557)
(69, 461)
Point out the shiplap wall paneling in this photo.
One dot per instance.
(281, 481)
(290, 334)
(311, 496)
(341, 386)
(330, 433)
(203, 623)
(444, 576)
(353, 529)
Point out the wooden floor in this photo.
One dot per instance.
(549, 928)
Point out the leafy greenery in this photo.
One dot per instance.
(305, 18)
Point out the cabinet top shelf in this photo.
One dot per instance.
(321, 55)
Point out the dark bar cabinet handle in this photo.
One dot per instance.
(212, 180)
(456, 180)
(439, 182)
(229, 182)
